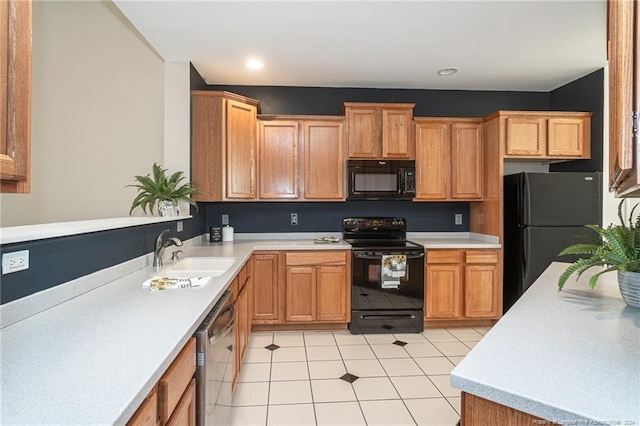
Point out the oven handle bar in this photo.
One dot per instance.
(377, 317)
(379, 257)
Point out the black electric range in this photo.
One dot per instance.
(387, 276)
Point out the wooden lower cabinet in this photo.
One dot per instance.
(266, 288)
(243, 305)
(462, 284)
(147, 413)
(185, 411)
(317, 286)
(172, 401)
(478, 411)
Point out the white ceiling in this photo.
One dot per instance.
(497, 45)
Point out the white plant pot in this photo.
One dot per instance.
(168, 208)
(629, 283)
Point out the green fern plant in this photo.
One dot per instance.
(617, 249)
(151, 189)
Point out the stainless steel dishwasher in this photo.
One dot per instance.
(214, 370)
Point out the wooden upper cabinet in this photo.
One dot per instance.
(433, 159)
(449, 159)
(379, 130)
(397, 133)
(323, 146)
(467, 159)
(15, 96)
(623, 54)
(278, 159)
(545, 134)
(223, 146)
(301, 157)
(526, 136)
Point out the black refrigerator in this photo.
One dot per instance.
(543, 214)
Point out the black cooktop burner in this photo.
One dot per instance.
(377, 233)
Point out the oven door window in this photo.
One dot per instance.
(369, 292)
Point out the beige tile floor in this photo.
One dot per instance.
(299, 382)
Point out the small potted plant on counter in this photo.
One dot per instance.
(618, 249)
(162, 190)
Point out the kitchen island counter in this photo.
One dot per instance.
(571, 357)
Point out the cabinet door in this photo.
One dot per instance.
(443, 291)
(432, 161)
(467, 171)
(15, 96)
(147, 413)
(241, 150)
(185, 412)
(526, 136)
(481, 292)
(397, 133)
(332, 293)
(265, 288)
(300, 293)
(323, 160)
(278, 159)
(623, 93)
(363, 132)
(566, 137)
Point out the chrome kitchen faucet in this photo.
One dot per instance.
(160, 246)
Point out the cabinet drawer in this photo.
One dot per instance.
(147, 413)
(176, 379)
(443, 256)
(482, 256)
(316, 258)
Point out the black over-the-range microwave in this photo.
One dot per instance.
(381, 179)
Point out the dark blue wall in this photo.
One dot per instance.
(327, 217)
(55, 261)
(584, 94)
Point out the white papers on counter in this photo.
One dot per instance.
(167, 283)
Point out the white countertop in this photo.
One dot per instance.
(447, 240)
(564, 356)
(94, 358)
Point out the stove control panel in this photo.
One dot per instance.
(374, 224)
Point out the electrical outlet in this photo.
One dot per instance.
(225, 219)
(458, 219)
(14, 262)
(179, 226)
(294, 219)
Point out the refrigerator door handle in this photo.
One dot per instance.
(523, 249)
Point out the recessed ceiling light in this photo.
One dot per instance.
(447, 71)
(254, 64)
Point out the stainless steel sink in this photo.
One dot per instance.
(197, 267)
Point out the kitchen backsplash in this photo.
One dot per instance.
(327, 217)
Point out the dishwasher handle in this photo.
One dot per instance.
(226, 329)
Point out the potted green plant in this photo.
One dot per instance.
(162, 190)
(617, 249)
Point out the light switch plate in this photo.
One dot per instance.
(225, 219)
(179, 226)
(458, 219)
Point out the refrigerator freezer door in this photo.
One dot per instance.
(561, 199)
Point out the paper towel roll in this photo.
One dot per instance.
(227, 233)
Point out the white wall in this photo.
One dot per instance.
(97, 114)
